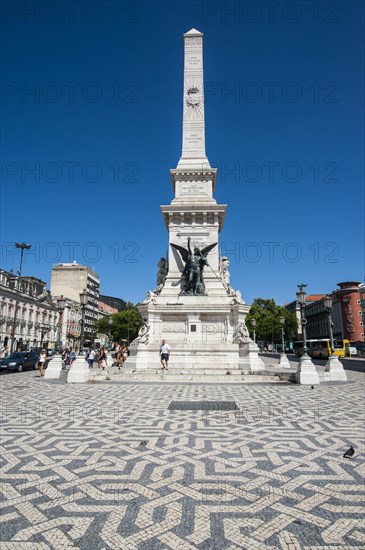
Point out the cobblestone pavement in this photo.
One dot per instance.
(109, 466)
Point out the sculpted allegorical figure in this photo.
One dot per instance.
(143, 333)
(151, 297)
(241, 334)
(161, 275)
(237, 297)
(194, 265)
(225, 274)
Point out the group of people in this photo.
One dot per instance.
(120, 353)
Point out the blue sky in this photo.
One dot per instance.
(103, 126)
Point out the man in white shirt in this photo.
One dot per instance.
(164, 354)
(90, 358)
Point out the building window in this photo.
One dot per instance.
(192, 328)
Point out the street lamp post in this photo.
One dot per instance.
(306, 372)
(22, 247)
(61, 302)
(282, 322)
(328, 307)
(284, 361)
(56, 364)
(254, 323)
(110, 322)
(79, 373)
(83, 302)
(109, 356)
(333, 365)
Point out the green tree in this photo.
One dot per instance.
(268, 327)
(125, 324)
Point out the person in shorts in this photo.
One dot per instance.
(164, 354)
(41, 361)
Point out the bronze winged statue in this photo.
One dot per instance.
(194, 265)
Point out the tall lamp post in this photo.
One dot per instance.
(109, 356)
(284, 361)
(80, 372)
(83, 302)
(110, 322)
(22, 246)
(282, 322)
(61, 302)
(254, 323)
(55, 365)
(306, 372)
(333, 365)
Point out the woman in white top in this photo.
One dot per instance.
(41, 361)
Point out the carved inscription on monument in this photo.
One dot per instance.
(192, 189)
(194, 138)
(194, 61)
(174, 328)
(193, 41)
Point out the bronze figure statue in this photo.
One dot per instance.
(194, 265)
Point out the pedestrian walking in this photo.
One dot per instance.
(165, 351)
(91, 357)
(41, 361)
(102, 358)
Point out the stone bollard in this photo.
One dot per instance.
(335, 369)
(306, 372)
(249, 357)
(79, 372)
(54, 368)
(284, 361)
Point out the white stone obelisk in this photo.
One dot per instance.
(193, 147)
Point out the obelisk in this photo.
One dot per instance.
(193, 212)
(193, 146)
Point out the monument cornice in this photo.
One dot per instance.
(189, 174)
(169, 210)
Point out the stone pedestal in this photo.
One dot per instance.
(79, 372)
(54, 368)
(249, 359)
(306, 372)
(284, 361)
(335, 369)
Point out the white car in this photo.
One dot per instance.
(352, 351)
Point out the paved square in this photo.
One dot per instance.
(109, 466)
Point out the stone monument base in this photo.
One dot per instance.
(79, 372)
(54, 368)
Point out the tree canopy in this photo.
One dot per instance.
(125, 324)
(268, 327)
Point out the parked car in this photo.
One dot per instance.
(20, 360)
(352, 351)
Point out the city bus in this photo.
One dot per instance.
(321, 348)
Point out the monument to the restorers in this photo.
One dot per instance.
(194, 306)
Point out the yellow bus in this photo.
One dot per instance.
(321, 348)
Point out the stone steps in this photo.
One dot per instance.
(203, 376)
